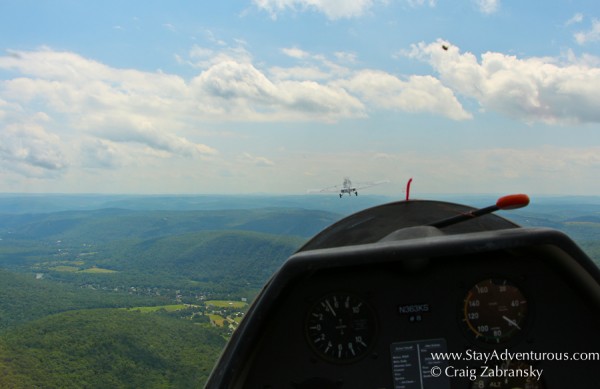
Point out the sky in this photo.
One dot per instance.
(282, 96)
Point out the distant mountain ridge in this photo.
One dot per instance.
(114, 224)
(48, 203)
(172, 249)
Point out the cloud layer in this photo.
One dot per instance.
(60, 110)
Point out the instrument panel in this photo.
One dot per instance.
(363, 327)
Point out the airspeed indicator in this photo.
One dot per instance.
(494, 310)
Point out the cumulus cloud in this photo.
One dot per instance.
(142, 132)
(28, 148)
(88, 98)
(527, 89)
(593, 35)
(295, 52)
(204, 58)
(298, 73)
(231, 88)
(100, 153)
(312, 62)
(103, 111)
(416, 94)
(333, 9)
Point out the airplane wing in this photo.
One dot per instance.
(363, 185)
(339, 188)
(331, 189)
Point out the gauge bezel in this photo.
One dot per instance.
(373, 323)
(513, 339)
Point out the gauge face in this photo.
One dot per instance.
(494, 310)
(340, 327)
(517, 375)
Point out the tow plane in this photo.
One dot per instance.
(348, 187)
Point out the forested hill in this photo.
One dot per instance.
(231, 258)
(23, 298)
(221, 251)
(108, 348)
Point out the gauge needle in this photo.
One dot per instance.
(330, 307)
(511, 322)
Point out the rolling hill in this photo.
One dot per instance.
(24, 299)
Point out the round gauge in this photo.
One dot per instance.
(340, 327)
(510, 375)
(494, 310)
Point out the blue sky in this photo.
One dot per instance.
(280, 96)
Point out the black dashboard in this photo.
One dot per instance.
(483, 305)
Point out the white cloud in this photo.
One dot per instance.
(237, 90)
(28, 148)
(249, 159)
(487, 6)
(345, 56)
(203, 57)
(100, 153)
(298, 73)
(232, 88)
(531, 89)
(129, 107)
(333, 9)
(417, 94)
(88, 98)
(593, 35)
(230, 80)
(142, 131)
(295, 52)
(375, 89)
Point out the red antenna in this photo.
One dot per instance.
(408, 189)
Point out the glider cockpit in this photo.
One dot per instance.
(386, 299)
